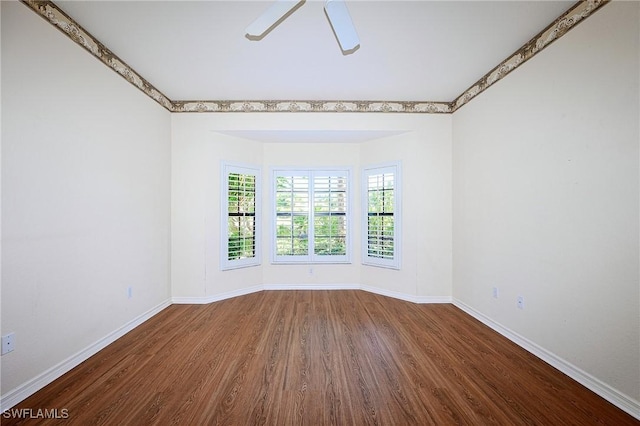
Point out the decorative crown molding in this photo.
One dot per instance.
(56, 17)
(312, 106)
(544, 38)
(572, 17)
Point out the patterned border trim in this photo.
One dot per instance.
(312, 106)
(544, 38)
(576, 14)
(52, 13)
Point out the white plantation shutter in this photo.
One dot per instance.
(240, 215)
(311, 216)
(381, 221)
(330, 214)
(292, 214)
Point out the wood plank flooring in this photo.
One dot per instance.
(318, 358)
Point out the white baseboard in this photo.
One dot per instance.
(615, 397)
(215, 297)
(406, 297)
(370, 289)
(433, 299)
(254, 289)
(311, 287)
(27, 389)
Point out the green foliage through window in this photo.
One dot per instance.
(311, 214)
(241, 216)
(380, 215)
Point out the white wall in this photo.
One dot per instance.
(546, 188)
(426, 209)
(197, 153)
(422, 143)
(85, 198)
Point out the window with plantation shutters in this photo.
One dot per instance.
(240, 217)
(311, 216)
(292, 215)
(330, 215)
(381, 221)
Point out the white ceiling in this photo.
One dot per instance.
(410, 50)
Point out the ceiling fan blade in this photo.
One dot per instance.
(343, 28)
(271, 17)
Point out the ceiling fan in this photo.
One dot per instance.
(335, 10)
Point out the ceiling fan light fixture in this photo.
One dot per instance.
(340, 20)
(271, 17)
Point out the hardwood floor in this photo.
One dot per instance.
(318, 358)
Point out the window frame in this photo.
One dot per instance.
(228, 168)
(311, 257)
(396, 169)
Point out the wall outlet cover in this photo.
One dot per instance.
(8, 343)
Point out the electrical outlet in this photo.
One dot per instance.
(495, 292)
(129, 292)
(8, 343)
(520, 302)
